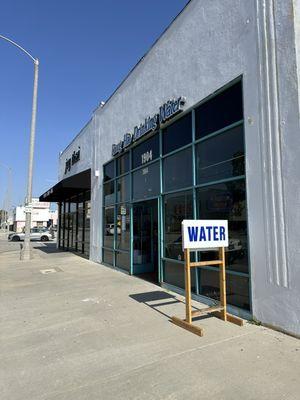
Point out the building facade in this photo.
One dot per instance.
(205, 126)
(41, 216)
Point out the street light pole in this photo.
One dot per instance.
(26, 251)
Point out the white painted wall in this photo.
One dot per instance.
(208, 45)
(83, 141)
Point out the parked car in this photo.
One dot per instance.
(110, 229)
(41, 234)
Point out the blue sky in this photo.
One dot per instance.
(85, 47)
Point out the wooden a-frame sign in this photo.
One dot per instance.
(194, 233)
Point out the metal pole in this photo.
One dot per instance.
(26, 253)
(26, 250)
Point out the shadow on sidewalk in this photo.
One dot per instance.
(157, 299)
(48, 248)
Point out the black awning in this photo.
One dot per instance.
(68, 187)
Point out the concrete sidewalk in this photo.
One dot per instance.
(82, 331)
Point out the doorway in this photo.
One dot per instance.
(145, 240)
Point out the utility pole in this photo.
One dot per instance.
(26, 251)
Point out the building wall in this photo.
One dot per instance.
(208, 45)
(84, 141)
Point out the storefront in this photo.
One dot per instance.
(192, 168)
(205, 126)
(73, 198)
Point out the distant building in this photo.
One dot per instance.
(41, 215)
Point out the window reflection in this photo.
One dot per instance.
(145, 152)
(123, 164)
(123, 188)
(178, 170)
(123, 260)
(74, 217)
(237, 288)
(146, 182)
(228, 201)
(108, 257)
(221, 156)
(174, 275)
(178, 134)
(109, 193)
(123, 227)
(109, 171)
(87, 213)
(109, 227)
(222, 110)
(177, 208)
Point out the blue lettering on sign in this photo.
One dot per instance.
(216, 233)
(193, 233)
(166, 112)
(209, 228)
(202, 234)
(222, 233)
(206, 233)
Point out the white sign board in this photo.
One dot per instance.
(204, 233)
(28, 209)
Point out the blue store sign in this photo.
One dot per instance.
(167, 111)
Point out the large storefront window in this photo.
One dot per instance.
(66, 226)
(80, 226)
(145, 152)
(178, 134)
(178, 171)
(87, 227)
(109, 224)
(123, 164)
(222, 110)
(191, 168)
(61, 224)
(228, 201)
(109, 171)
(237, 288)
(174, 275)
(74, 219)
(221, 156)
(123, 227)
(109, 193)
(177, 207)
(123, 189)
(146, 182)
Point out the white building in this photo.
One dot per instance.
(205, 126)
(41, 215)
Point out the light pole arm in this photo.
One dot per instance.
(35, 60)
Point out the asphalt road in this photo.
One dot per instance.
(7, 246)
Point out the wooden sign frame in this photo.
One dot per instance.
(219, 310)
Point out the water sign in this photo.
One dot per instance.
(200, 235)
(204, 233)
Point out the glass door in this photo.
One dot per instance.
(145, 239)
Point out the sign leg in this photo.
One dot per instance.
(222, 275)
(188, 306)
